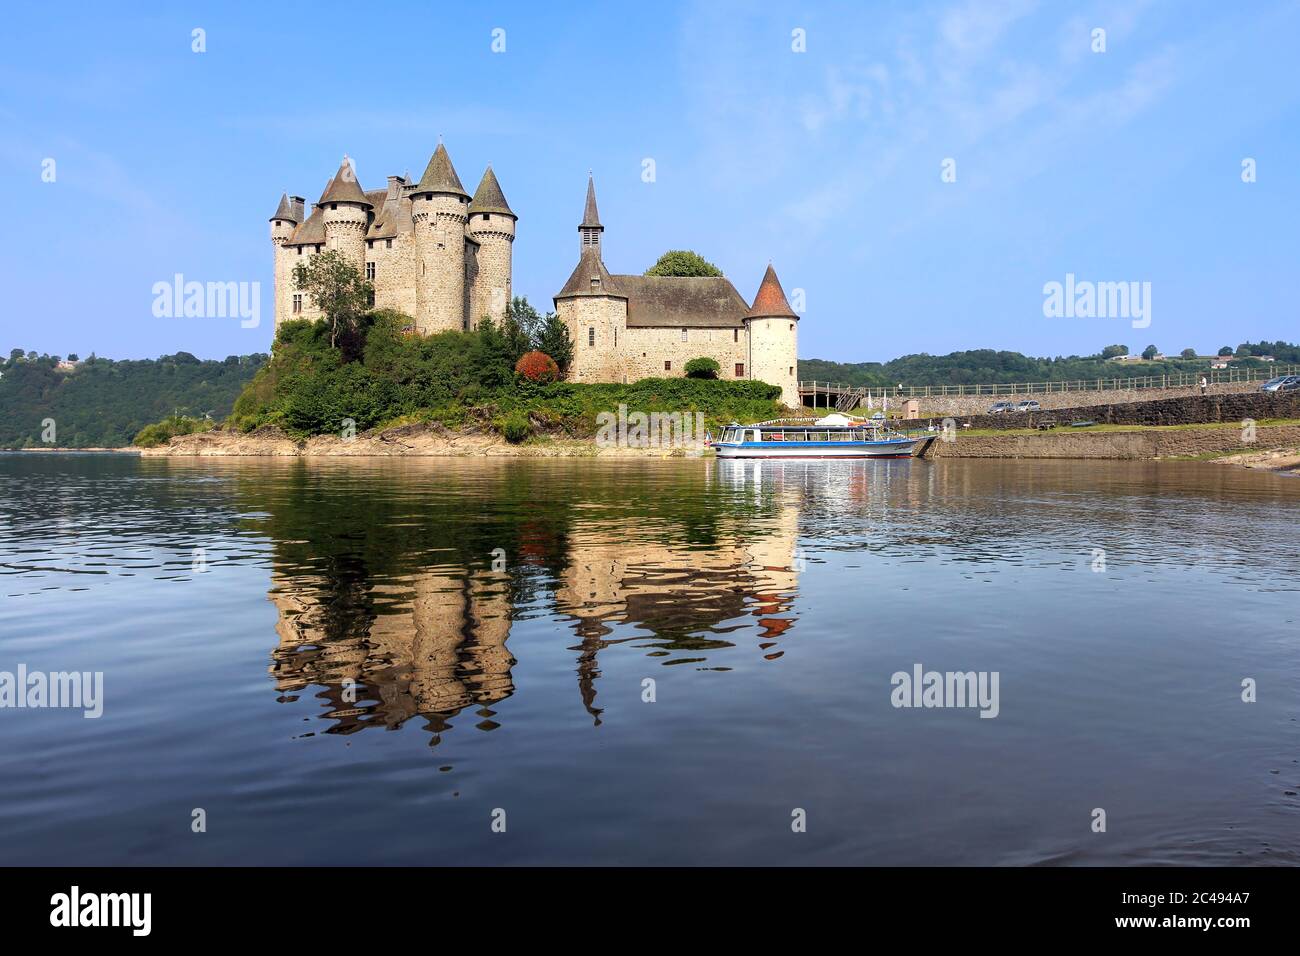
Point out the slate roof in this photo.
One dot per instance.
(489, 197)
(344, 187)
(590, 267)
(590, 217)
(285, 210)
(440, 176)
(682, 302)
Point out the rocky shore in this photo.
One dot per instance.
(429, 440)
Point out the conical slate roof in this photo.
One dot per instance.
(589, 215)
(590, 267)
(440, 176)
(489, 197)
(344, 187)
(284, 210)
(770, 302)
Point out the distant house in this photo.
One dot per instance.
(1219, 363)
(1124, 358)
(1266, 358)
(67, 366)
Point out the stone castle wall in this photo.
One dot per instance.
(490, 287)
(645, 350)
(773, 352)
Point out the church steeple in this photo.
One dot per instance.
(590, 228)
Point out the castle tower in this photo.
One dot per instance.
(439, 213)
(589, 229)
(492, 226)
(594, 308)
(283, 223)
(345, 213)
(773, 339)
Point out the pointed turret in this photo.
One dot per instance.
(770, 301)
(489, 197)
(774, 338)
(589, 229)
(440, 176)
(344, 187)
(285, 211)
(590, 217)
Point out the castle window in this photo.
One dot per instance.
(595, 283)
(370, 298)
(740, 370)
(370, 243)
(370, 270)
(616, 338)
(591, 337)
(297, 303)
(318, 247)
(735, 335)
(791, 369)
(388, 243)
(683, 335)
(300, 250)
(791, 326)
(668, 365)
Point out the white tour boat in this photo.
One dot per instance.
(835, 436)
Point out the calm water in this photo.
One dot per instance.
(498, 620)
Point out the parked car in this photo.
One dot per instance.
(1001, 408)
(1283, 383)
(1028, 406)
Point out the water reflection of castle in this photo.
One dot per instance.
(432, 641)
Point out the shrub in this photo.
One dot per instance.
(702, 368)
(164, 431)
(537, 367)
(515, 427)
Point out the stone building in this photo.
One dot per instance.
(428, 249)
(629, 327)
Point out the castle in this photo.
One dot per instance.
(629, 327)
(444, 258)
(428, 249)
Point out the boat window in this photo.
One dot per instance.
(755, 435)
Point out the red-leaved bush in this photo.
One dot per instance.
(537, 367)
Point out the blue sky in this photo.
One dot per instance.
(1115, 166)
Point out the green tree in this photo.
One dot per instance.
(1150, 352)
(529, 320)
(1111, 351)
(555, 342)
(702, 367)
(1225, 351)
(337, 287)
(1187, 353)
(683, 262)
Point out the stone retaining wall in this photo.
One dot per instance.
(1121, 445)
(1185, 410)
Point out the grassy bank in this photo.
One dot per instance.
(378, 377)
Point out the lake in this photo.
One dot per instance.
(531, 661)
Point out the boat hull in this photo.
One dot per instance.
(893, 448)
